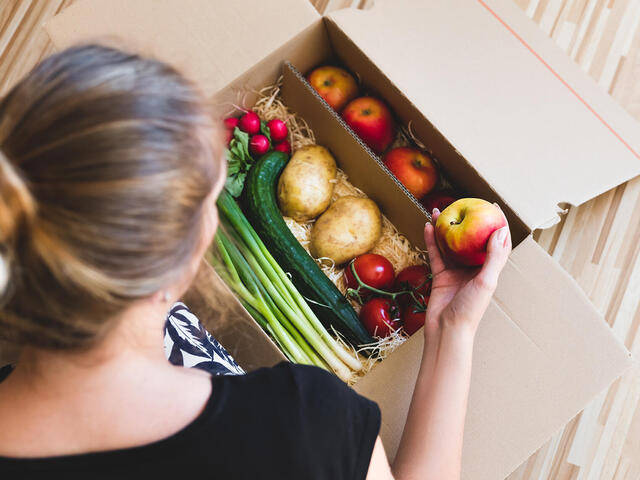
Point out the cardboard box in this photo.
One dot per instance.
(510, 119)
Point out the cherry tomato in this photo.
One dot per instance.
(373, 270)
(416, 278)
(413, 316)
(379, 317)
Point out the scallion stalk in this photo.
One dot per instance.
(281, 298)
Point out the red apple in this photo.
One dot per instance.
(372, 121)
(440, 200)
(464, 227)
(415, 169)
(335, 85)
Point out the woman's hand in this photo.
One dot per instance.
(460, 296)
(431, 444)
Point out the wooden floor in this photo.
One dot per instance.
(598, 242)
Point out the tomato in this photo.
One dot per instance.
(416, 278)
(413, 316)
(379, 317)
(373, 270)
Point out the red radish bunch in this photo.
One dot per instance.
(249, 138)
(389, 301)
(262, 136)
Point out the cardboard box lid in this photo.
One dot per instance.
(518, 334)
(571, 141)
(532, 123)
(211, 42)
(538, 359)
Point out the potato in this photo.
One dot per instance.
(350, 227)
(305, 186)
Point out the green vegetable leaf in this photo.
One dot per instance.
(235, 184)
(239, 160)
(236, 152)
(235, 163)
(265, 130)
(241, 138)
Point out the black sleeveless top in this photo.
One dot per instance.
(286, 422)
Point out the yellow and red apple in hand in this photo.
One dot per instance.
(415, 169)
(464, 227)
(335, 85)
(372, 121)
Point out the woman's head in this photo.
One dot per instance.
(108, 162)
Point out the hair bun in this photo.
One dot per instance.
(17, 209)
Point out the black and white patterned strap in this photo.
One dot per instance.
(189, 344)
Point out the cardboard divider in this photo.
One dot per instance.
(363, 168)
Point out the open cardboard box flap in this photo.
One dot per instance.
(533, 124)
(213, 43)
(458, 61)
(543, 351)
(536, 363)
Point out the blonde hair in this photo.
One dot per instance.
(106, 159)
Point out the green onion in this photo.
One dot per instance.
(261, 283)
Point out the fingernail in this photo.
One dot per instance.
(436, 211)
(502, 235)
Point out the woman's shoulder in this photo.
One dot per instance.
(298, 383)
(323, 424)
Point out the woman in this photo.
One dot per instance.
(109, 171)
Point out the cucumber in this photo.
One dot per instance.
(261, 209)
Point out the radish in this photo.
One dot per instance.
(278, 130)
(258, 145)
(230, 123)
(283, 146)
(249, 123)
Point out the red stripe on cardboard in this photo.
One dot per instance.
(557, 75)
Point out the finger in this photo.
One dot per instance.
(498, 250)
(435, 259)
(434, 215)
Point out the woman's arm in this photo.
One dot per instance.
(431, 444)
